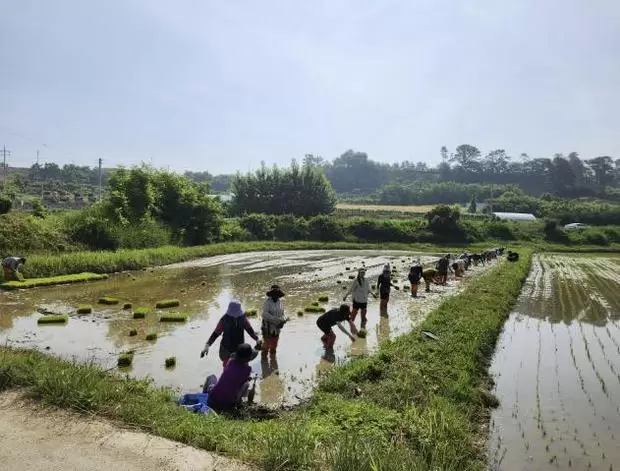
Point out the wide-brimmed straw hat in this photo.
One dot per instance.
(275, 292)
(245, 352)
(234, 309)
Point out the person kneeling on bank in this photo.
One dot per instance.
(228, 392)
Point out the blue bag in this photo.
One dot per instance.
(196, 402)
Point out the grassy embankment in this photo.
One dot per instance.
(135, 259)
(416, 404)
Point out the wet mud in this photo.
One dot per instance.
(204, 288)
(557, 369)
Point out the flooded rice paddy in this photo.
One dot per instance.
(204, 288)
(557, 369)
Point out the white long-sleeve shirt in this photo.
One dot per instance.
(360, 291)
(273, 316)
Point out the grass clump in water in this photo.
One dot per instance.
(171, 362)
(140, 312)
(323, 299)
(108, 300)
(127, 306)
(125, 359)
(151, 336)
(300, 313)
(362, 333)
(251, 313)
(133, 332)
(52, 319)
(173, 317)
(84, 309)
(314, 309)
(166, 303)
(52, 280)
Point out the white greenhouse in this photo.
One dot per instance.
(515, 216)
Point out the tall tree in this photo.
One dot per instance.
(603, 169)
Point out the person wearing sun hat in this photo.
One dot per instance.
(234, 383)
(232, 327)
(273, 321)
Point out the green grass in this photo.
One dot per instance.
(323, 299)
(52, 280)
(423, 404)
(170, 362)
(172, 317)
(84, 309)
(314, 309)
(166, 303)
(151, 336)
(52, 320)
(108, 301)
(141, 312)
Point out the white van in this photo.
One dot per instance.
(575, 225)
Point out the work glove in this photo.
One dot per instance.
(205, 351)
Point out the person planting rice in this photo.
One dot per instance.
(228, 392)
(458, 270)
(335, 317)
(232, 327)
(415, 275)
(10, 268)
(359, 291)
(442, 269)
(430, 275)
(384, 283)
(273, 321)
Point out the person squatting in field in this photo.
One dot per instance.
(430, 275)
(273, 321)
(384, 283)
(10, 268)
(232, 327)
(228, 391)
(415, 275)
(335, 317)
(459, 268)
(359, 291)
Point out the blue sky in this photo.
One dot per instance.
(220, 86)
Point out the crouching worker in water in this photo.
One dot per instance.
(227, 392)
(430, 275)
(232, 327)
(10, 268)
(334, 317)
(415, 275)
(458, 270)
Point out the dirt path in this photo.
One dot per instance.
(36, 438)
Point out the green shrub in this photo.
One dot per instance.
(5, 204)
(93, 230)
(259, 226)
(166, 303)
(325, 228)
(288, 227)
(233, 231)
(499, 230)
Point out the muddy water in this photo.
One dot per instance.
(204, 288)
(557, 369)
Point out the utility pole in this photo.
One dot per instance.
(5, 153)
(100, 162)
